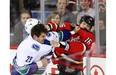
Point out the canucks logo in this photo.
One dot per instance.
(48, 34)
(36, 47)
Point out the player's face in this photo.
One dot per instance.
(56, 19)
(41, 38)
(84, 4)
(84, 25)
(61, 5)
(24, 18)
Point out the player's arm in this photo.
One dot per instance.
(66, 26)
(71, 47)
(63, 26)
(52, 26)
(43, 62)
(69, 59)
(62, 36)
(65, 34)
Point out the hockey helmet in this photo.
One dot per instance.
(87, 19)
(30, 23)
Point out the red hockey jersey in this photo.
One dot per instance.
(59, 27)
(78, 44)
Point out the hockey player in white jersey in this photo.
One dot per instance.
(30, 51)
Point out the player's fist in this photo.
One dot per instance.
(54, 43)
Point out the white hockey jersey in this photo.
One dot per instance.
(31, 51)
(52, 36)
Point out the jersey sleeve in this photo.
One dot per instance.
(64, 35)
(76, 47)
(60, 27)
(65, 26)
(53, 26)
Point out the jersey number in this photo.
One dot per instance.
(88, 40)
(29, 58)
(62, 25)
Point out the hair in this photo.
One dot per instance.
(27, 11)
(91, 3)
(66, 1)
(38, 29)
(52, 15)
(72, 5)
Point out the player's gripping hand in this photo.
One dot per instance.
(76, 29)
(54, 43)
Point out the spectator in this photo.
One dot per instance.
(71, 5)
(102, 35)
(19, 32)
(86, 6)
(14, 12)
(54, 17)
(102, 23)
(74, 7)
(66, 16)
(102, 31)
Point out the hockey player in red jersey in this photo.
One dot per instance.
(69, 54)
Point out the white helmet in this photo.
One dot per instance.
(30, 23)
(52, 36)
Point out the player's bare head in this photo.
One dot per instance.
(38, 29)
(86, 22)
(38, 33)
